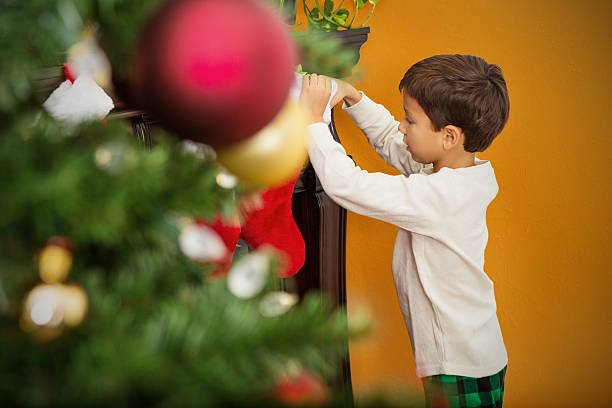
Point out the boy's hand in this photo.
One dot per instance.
(347, 92)
(316, 90)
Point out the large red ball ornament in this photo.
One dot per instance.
(214, 71)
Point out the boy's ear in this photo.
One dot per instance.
(453, 135)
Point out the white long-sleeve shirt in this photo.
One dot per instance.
(446, 298)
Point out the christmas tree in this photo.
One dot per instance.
(105, 293)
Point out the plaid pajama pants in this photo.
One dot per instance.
(454, 391)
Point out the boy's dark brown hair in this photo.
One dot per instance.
(461, 90)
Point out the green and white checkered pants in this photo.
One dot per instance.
(454, 391)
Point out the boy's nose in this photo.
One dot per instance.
(400, 129)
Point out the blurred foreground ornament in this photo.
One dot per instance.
(43, 306)
(248, 275)
(226, 180)
(214, 71)
(359, 322)
(303, 389)
(277, 303)
(114, 157)
(274, 155)
(74, 304)
(53, 306)
(200, 150)
(201, 243)
(54, 263)
(87, 58)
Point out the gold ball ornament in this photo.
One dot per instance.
(54, 263)
(275, 154)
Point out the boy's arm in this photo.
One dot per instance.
(382, 132)
(408, 202)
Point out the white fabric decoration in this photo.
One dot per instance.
(78, 102)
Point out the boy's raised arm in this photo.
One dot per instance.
(381, 130)
(409, 202)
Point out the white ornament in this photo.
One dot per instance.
(78, 102)
(201, 243)
(277, 303)
(43, 305)
(226, 180)
(42, 312)
(55, 305)
(249, 274)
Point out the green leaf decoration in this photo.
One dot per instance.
(341, 16)
(316, 14)
(328, 7)
(329, 26)
(324, 55)
(300, 70)
(327, 18)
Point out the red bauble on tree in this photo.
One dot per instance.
(301, 390)
(214, 71)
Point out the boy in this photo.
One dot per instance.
(455, 105)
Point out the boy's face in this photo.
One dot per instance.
(424, 144)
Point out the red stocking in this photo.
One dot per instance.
(274, 224)
(271, 224)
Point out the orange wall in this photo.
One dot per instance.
(549, 251)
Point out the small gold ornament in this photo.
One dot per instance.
(50, 306)
(54, 263)
(274, 155)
